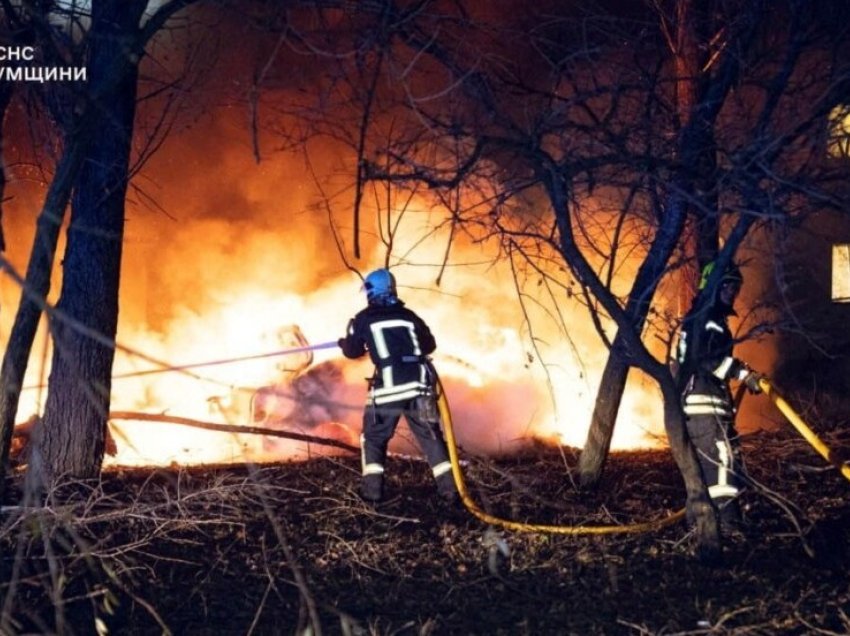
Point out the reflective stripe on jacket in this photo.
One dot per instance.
(397, 341)
(705, 358)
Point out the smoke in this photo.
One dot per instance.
(223, 254)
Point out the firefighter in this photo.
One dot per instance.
(706, 366)
(398, 342)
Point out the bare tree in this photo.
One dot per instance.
(551, 136)
(97, 124)
(556, 110)
(707, 53)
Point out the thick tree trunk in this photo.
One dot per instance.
(71, 440)
(36, 287)
(693, 23)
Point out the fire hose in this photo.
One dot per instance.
(808, 434)
(472, 507)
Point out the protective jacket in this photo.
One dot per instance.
(398, 342)
(706, 363)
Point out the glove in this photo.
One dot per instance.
(752, 382)
(339, 342)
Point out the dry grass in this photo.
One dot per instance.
(289, 548)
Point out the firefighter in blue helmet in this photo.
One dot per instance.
(398, 342)
(706, 365)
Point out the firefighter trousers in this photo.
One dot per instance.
(379, 425)
(716, 442)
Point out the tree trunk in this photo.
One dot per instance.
(700, 509)
(6, 91)
(613, 382)
(620, 359)
(693, 31)
(72, 436)
(36, 287)
(605, 409)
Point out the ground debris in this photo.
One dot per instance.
(247, 549)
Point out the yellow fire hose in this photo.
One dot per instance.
(473, 508)
(469, 503)
(798, 423)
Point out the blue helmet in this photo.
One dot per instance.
(379, 285)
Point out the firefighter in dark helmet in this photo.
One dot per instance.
(398, 342)
(706, 365)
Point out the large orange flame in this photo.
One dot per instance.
(247, 259)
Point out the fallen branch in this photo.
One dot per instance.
(229, 428)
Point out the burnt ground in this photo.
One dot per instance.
(267, 549)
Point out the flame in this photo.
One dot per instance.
(500, 395)
(240, 267)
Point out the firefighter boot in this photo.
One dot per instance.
(372, 488)
(447, 489)
(730, 516)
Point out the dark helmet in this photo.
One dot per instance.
(379, 285)
(731, 275)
